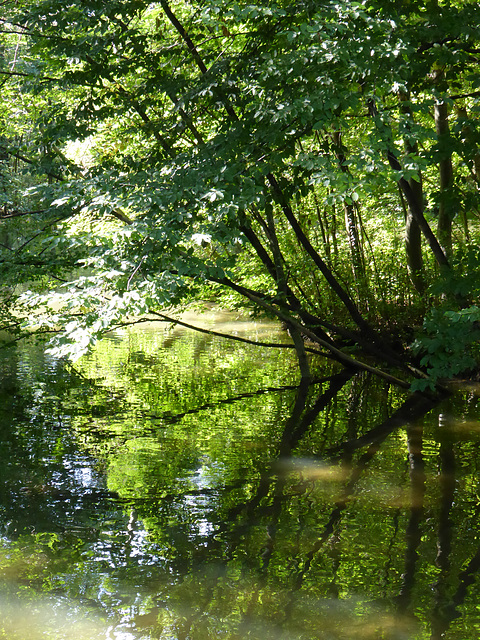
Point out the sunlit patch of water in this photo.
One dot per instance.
(311, 469)
(48, 619)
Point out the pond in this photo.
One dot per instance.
(173, 485)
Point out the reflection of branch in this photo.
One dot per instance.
(448, 612)
(336, 515)
(295, 427)
(414, 407)
(169, 418)
(467, 578)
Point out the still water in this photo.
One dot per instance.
(174, 486)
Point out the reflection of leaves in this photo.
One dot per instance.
(237, 543)
(168, 417)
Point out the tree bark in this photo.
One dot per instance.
(413, 241)
(283, 289)
(412, 201)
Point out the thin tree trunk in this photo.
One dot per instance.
(446, 207)
(413, 234)
(368, 334)
(351, 224)
(413, 241)
(293, 301)
(305, 242)
(283, 288)
(474, 164)
(415, 206)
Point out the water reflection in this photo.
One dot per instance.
(189, 489)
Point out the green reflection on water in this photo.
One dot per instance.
(176, 486)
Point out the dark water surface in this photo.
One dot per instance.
(176, 486)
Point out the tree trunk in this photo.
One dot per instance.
(351, 224)
(446, 207)
(413, 241)
(413, 233)
(473, 160)
(417, 212)
(283, 290)
(356, 253)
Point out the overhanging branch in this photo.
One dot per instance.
(275, 345)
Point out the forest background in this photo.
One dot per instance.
(318, 163)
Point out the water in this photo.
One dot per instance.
(176, 486)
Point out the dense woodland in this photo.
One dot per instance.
(318, 163)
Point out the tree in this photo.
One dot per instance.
(211, 128)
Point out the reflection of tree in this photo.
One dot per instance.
(270, 504)
(409, 411)
(268, 510)
(271, 483)
(300, 420)
(448, 608)
(413, 530)
(441, 615)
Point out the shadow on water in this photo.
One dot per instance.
(184, 492)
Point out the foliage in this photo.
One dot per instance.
(447, 344)
(268, 153)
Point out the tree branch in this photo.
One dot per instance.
(338, 355)
(21, 157)
(275, 345)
